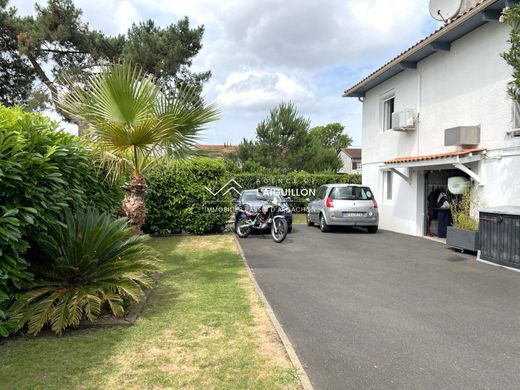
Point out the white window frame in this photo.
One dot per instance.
(386, 116)
(515, 115)
(515, 108)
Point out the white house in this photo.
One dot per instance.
(441, 109)
(350, 160)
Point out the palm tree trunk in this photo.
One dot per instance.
(133, 204)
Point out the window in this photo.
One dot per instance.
(320, 193)
(516, 115)
(351, 193)
(388, 178)
(388, 110)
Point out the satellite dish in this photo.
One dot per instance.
(444, 9)
(457, 185)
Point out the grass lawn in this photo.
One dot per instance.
(299, 218)
(205, 328)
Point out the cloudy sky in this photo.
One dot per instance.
(264, 52)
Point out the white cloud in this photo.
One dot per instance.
(306, 34)
(265, 52)
(126, 15)
(260, 90)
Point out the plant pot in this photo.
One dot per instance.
(463, 239)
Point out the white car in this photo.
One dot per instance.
(343, 205)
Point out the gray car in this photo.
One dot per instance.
(343, 205)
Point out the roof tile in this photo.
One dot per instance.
(462, 152)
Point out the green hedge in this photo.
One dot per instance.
(179, 198)
(42, 170)
(297, 185)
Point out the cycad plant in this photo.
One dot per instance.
(88, 264)
(133, 121)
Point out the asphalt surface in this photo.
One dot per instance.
(390, 311)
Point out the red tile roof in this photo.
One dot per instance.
(434, 35)
(463, 152)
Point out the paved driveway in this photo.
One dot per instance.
(391, 311)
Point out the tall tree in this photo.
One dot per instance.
(16, 75)
(56, 44)
(285, 142)
(331, 136)
(512, 56)
(282, 140)
(133, 120)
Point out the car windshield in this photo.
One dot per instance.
(249, 196)
(351, 193)
(253, 196)
(277, 197)
(272, 191)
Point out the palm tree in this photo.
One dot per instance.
(133, 121)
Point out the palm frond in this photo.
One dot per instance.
(128, 111)
(93, 263)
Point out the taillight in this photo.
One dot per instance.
(374, 202)
(329, 203)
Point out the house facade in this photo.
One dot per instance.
(350, 160)
(439, 110)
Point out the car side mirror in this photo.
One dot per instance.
(234, 200)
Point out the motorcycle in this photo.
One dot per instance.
(271, 214)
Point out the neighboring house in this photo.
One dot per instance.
(350, 160)
(217, 150)
(441, 109)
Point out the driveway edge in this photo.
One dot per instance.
(293, 357)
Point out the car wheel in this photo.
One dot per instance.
(372, 229)
(309, 222)
(323, 224)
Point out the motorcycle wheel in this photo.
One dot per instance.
(282, 229)
(242, 228)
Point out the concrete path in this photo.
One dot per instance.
(390, 311)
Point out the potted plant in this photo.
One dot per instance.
(463, 234)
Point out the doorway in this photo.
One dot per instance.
(436, 183)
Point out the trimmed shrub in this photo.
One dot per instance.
(179, 198)
(42, 170)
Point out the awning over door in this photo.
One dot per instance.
(457, 159)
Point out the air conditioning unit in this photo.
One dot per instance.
(513, 133)
(405, 120)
